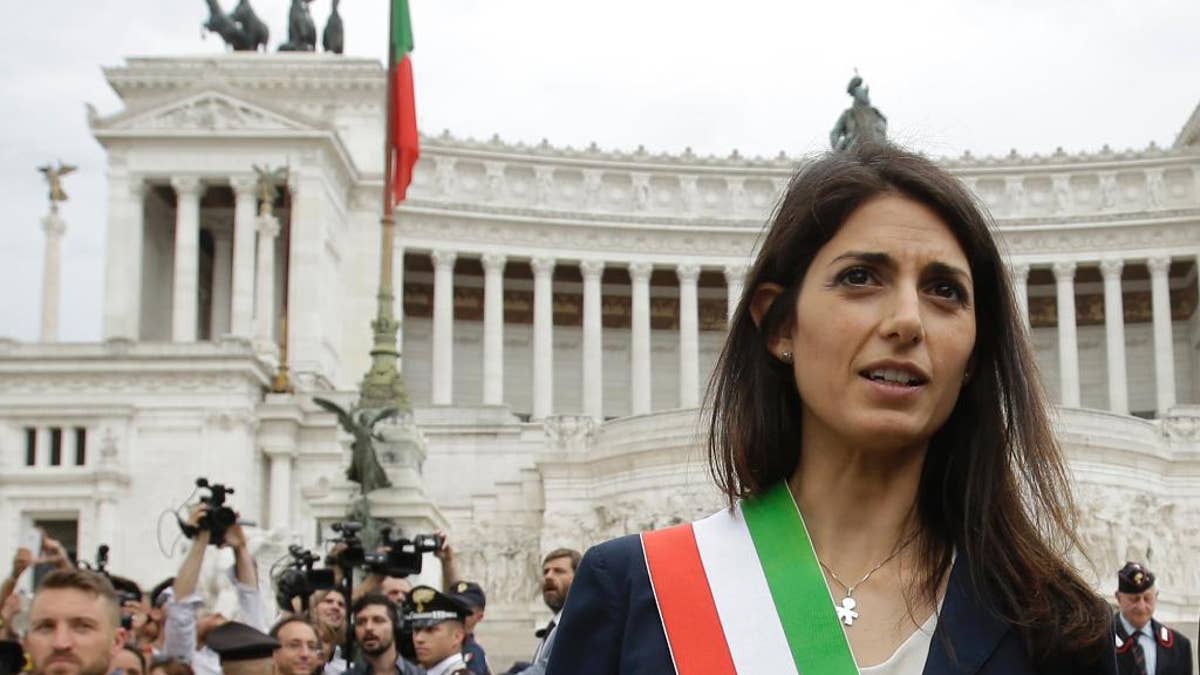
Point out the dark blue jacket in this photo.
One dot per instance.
(611, 626)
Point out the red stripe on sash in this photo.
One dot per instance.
(685, 603)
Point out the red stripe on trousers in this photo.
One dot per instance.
(685, 603)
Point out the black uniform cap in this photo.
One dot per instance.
(12, 658)
(469, 593)
(1134, 578)
(238, 642)
(427, 607)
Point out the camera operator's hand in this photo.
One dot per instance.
(54, 554)
(445, 553)
(235, 536)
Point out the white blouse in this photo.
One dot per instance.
(909, 658)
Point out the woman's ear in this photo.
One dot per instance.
(764, 297)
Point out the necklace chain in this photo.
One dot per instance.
(849, 588)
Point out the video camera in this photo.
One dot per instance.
(399, 557)
(218, 519)
(127, 591)
(300, 580)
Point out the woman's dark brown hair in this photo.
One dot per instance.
(994, 485)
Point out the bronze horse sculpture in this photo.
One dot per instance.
(242, 30)
(334, 37)
(302, 32)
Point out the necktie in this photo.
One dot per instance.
(1139, 656)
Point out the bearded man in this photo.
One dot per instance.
(74, 624)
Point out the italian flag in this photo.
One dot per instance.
(741, 592)
(403, 144)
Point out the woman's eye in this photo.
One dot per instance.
(855, 276)
(949, 291)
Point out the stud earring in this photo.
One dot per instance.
(966, 376)
(786, 356)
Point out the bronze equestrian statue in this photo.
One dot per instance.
(242, 30)
(334, 37)
(302, 32)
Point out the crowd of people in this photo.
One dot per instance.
(87, 622)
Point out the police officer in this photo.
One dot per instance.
(244, 650)
(438, 629)
(1145, 646)
(471, 594)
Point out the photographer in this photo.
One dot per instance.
(187, 622)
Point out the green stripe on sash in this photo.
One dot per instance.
(802, 599)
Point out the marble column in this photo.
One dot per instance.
(735, 279)
(1068, 344)
(185, 291)
(222, 284)
(123, 267)
(639, 275)
(543, 336)
(279, 507)
(1164, 351)
(593, 346)
(242, 301)
(264, 284)
(1020, 277)
(442, 390)
(689, 336)
(55, 228)
(493, 328)
(1114, 335)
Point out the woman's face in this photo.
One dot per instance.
(884, 328)
(332, 608)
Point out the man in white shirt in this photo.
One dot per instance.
(1145, 646)
(184, 628)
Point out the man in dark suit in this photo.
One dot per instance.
(1145, 646)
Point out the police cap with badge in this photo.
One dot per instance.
(427, 607)
(1134, 578)
(469, 593)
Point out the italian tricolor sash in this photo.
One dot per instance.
(741, 592)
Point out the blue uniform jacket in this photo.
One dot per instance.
(611, 626)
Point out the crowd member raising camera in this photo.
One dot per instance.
(188, 620)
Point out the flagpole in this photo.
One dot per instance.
(383, 385)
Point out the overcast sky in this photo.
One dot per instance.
(758, 76)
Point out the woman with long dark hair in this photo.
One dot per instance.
(898, 503)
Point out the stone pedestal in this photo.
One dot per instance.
(55, 228)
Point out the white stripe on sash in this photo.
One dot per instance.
(741, 595)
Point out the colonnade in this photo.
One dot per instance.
(688, 274)
(1114, 324)
(243, 280)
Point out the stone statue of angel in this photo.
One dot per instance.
(268, 184)
(365, 468)
(54, 179)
